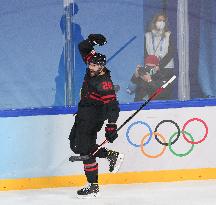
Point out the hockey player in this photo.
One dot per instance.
(98, 103)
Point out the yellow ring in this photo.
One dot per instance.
(142, 146)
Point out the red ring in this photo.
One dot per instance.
(205, 125)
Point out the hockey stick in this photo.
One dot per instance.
(157, 92)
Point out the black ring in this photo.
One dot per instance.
(171, 121)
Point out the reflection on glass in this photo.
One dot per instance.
(70, 51)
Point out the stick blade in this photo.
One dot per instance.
(78, 158)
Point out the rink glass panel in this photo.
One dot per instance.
(202, 42)
(31, 46)
(124, 24)
(42, 68)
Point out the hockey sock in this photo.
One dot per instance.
(91, 170)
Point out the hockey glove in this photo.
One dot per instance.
(97, 39)
(111, 133)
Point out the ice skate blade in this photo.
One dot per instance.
(89, 196)
(118, 163)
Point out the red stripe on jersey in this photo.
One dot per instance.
(96, 94)
(103, 96)
(108, 96)
(100, 99)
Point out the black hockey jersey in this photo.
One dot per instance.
(98, 96)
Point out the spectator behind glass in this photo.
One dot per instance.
(158, 43)
(148, 78)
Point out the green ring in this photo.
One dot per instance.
(185, 154)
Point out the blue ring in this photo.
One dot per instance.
(137, 122)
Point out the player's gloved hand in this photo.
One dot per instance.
(97, 39)
(111, 133)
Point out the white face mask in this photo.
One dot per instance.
(160, 25)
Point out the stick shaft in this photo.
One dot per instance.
(157, 92)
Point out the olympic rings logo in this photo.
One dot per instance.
(161, 139)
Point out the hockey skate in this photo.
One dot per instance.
(115, 159)
(90, 191)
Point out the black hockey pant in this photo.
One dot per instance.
(82, 138)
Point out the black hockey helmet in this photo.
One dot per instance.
(99, 59)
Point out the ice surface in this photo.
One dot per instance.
(175, 193)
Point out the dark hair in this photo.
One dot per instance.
(155, 18)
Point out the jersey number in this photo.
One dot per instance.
(106, 85)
